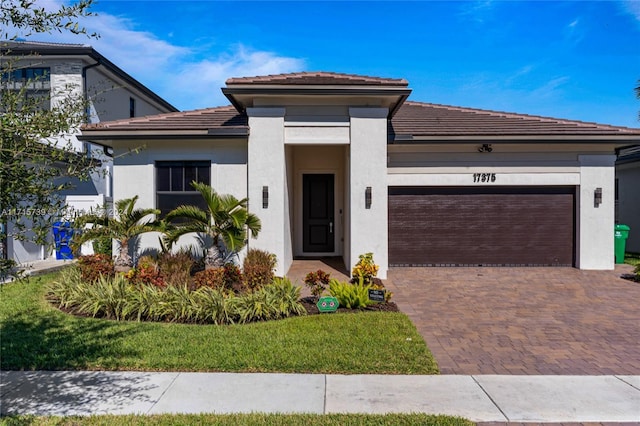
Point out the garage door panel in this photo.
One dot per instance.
(526, 226)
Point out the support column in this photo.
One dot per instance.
(596, 223)
(368, 187)
(266, 177)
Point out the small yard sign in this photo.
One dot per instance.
(327, 304)
(376, 295)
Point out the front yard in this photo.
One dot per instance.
(37, 336)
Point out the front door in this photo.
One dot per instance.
(317, 213)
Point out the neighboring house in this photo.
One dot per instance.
(54, 70)
(628, 194)
(340, 165)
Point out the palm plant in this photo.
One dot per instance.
(226, 220)
(127, 223)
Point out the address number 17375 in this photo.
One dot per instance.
(484, 177)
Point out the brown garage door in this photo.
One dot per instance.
(527, 226)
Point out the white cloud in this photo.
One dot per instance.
(200, 82)
(477, 11)
(632, 7)
(172, 71)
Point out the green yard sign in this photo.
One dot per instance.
(327, 304)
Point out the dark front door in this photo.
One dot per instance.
(317, 213)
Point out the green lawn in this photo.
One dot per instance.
(36, 336)
(245, 420)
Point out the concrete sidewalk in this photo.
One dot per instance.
(482, 398)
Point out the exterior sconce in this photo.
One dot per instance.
(486, 147)
(265, 197)
(367, 198)
(597, 197)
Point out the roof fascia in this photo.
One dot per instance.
(105, 138)
(613, 139)
(315, 90)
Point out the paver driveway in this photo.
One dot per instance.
(524, 320)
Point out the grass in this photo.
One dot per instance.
(36, 336)
(632, 258)
(244, 419)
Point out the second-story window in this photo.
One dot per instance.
(132, 107)
(35, 83)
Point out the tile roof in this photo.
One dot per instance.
(225, 117)
(413, 119)
(424, 119)
(319, 78)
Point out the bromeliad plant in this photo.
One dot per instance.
(226, 220)
(350, 296)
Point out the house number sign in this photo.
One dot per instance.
(484, 177)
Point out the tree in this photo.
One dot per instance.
(126, 224)
(226, 220)
(37, 160)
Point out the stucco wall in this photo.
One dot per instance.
(586, 168)
(266, 154)
(368, 169)
(110, 98)
(134, 174)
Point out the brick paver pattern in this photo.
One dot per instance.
(524, 320)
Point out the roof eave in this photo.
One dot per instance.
(569, 138)
(106, 138)
(232, 93)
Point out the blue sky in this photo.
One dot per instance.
(577, 59)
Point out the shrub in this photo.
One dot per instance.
(211, 278)
(365, 268)
(175, 268)
(317, 282)
(258, 268)
(350, 296)
(279, 299)
(146, 273)
(637, 271)
(119, 299)
(213, 306)
(103, 245)
(232, 275)
(94, 266)
(285, 296)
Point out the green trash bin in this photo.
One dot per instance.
(620, 237)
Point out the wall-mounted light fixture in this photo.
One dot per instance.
(597, 197)
(486, 147)
(367, 198)
(265, 197)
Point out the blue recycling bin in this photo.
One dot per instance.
(62, 235)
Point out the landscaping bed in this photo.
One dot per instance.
(310, 305)
(37, 336)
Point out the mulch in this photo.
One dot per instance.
(309, 304)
